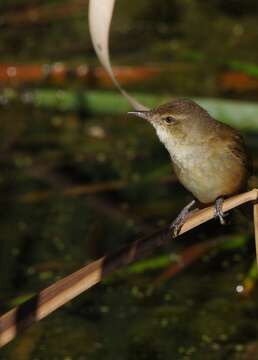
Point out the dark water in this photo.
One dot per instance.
(54, 218)
(47, 232)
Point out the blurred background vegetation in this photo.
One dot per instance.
(79, 178)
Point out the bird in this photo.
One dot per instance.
(210, 158)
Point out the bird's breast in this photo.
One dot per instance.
(208, 171)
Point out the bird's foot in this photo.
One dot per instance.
(219, 213)
(176, 225)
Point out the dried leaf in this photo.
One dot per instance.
(100, 16)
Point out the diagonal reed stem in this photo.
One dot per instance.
(64, 290)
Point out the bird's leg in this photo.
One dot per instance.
(180, 219)
(219, 213)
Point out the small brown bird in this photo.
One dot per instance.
(209, 158)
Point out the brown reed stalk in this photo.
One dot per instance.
(64, 290)
(256, 229)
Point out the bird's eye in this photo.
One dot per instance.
(169, 119)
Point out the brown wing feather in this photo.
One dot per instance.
(234, 141)
(239, 150)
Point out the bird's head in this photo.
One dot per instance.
(174, 120)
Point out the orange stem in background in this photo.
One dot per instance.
(188, 256)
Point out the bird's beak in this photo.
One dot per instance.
(142, 114)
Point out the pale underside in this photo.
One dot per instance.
(208, 172)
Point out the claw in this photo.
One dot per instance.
(219, 213)
(176, 225)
